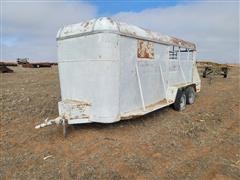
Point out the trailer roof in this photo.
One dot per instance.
(106, 24)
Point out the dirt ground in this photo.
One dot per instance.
(202, 142)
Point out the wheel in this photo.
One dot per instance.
(190, 95)
(180, 102)
(225, 74)
(204, 74)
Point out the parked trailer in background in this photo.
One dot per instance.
(111, 71)
(211, 69)
(7, 63)
(4, 67)
(26, 64)
(37, 65)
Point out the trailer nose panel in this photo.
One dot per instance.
(89, 72)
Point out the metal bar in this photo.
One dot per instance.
(184, 78)
(140, 88)
(163, 79)
(193, 64)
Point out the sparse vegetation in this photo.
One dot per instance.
(202, 142)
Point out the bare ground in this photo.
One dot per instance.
(202, 142)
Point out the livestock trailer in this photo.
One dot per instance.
(110, 71)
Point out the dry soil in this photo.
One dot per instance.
(202, 142)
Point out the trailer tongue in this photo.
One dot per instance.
(48, 122)
(59, 121)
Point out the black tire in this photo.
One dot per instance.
(225, 72)
(225, 75)
(190, 95)
(180, 102)
(204, 74)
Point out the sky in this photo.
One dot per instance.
(28, 28)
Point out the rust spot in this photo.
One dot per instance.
(163, 101)
(145, 49)
(180, 42)
(76, 102)
(130, 117)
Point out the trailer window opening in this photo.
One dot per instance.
(185, 54)
(173, 53)
(179, 53)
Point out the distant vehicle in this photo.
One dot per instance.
(26, 64)
(23, 60)
(111, 71)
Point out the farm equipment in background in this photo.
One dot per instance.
(26, 64)
(211, 69)
(5, 69)
(22, 60)
(215, 71)
(36, 65)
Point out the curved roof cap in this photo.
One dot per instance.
(107, 24)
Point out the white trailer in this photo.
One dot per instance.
(111, 71)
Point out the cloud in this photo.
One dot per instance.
(30, 28)
(214, 27)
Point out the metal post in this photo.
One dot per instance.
(140, 88)
(163, 79)
(181, 67)
(193, 62)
